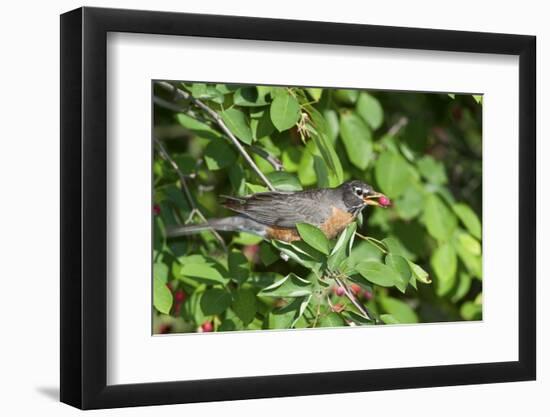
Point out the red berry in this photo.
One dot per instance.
(337, 308)
(252, 253)
(179, 296)
(207, 326)
(355, 289)
(384, 201)
(340, 291)
(367, 294)
(165, 328)
(457, 113)
(156, 209)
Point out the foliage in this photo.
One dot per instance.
(418, 261)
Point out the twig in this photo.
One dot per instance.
(159, 101)
(317, 313)
(194, 209)
(362, 310)
(400, 124)
(379, 244)
(274, 161)
(271, 159)
(217, 118)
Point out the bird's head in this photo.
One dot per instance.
(358, 194)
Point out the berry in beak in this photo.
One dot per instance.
(377, 199)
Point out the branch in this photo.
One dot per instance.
(217, 118)
(271, 159)
(194, 209)
(375, 242)
(400, 124)
(274, 161)
(362, 310)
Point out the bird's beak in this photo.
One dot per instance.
(374, 198)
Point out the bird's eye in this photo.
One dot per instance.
(358, 191)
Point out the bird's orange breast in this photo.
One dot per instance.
(338, 221)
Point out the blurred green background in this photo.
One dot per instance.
(418, 261)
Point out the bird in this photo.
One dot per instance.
(276, 214)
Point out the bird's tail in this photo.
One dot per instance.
(227, 224)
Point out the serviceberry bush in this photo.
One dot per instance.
(419, 260)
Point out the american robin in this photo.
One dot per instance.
(274, 215)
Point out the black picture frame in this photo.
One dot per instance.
(84, 207)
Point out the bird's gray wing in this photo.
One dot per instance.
(284, 209)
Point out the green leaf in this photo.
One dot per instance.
(255, 188)
(388, 319)
(357, 139)
(237, 179)
(331, 320)
(378, 273)
(332, 123)
(444, 264)
(471, 311)
(393, 174)
(342, 248)
(398, 309)
(464, 284)
(396, 247)
(363, 251)
(162, 296)
(346, 96)
(469, 252)
(432, 170)
(204, 272)
(469, 243)
(262, 126)
(286, 317)
(218, 154)
(215, 301)
(284, 111)
(299, 253)
(356, 318)
(469, 218)
(249, 97)
(267, 254)
(439, 219)
(321, 138)
(199, 129)
(238, 124)
(245, 239)
(401, 266)
(192, 308)
(370, 110)
(239, 268)
(227, 88)
(160, 271)
(419, 273)
(314, 237)
(244, 305)
(199, 90)
(186, 163)
(290, 286)
(324, 177)
(410, 204)
(478, 98)
(206, 92)
(284, 181)
(315, 93)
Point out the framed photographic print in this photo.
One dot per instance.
(307, 207)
